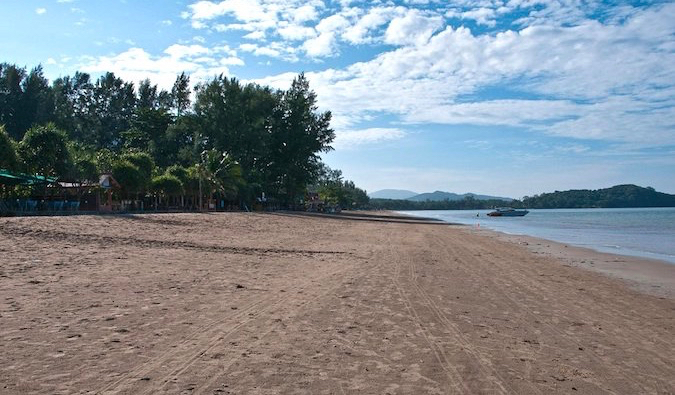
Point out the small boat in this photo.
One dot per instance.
(507, 212)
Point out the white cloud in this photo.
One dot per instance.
(258, 35)
(273, 50)
(304, 13)
(177, 51)
(482, 16)
(496, 112)
(295, 32)
(588, 81)
(260, 51)
(560, 73)
(321, 46)
(40, 11)
(136, 64)
(245, 10)
(325, 43)
(360, 32)
(350, 138)
(412, 28)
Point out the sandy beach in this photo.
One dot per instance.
(282, 303)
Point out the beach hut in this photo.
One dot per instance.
(107, 183)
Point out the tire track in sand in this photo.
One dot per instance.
(457, 383)
(533, 289)
(205, 338)
(484, 364)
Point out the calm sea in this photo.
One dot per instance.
(643, 232)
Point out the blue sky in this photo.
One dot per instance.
(507, 98)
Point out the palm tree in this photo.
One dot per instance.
(221, 174)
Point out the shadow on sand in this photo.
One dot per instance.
(366, 216)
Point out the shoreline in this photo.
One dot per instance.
(599, 246)
(651, 276)
(648, 275)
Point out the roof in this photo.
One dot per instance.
(15, 178)
(107, 181)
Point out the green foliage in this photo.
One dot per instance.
(191, 185)
(467, 203)
(8, 159)
(148, 128)
(180, 94)
(221, 173)
(83, 165)
(616, 196)
(179, 172)
(104, 160)
(75, 108)
(43, 151)
(272, 138)
(334, 190)
(11, 82)
(114, 104)
(299, 134)
(145, 165)
(167, 185)
(128, 176)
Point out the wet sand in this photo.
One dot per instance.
(247, 303)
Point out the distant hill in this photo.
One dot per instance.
(440, 195)
(614, 197)
(392, 194)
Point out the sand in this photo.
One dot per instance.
(249, 303)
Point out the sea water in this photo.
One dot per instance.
(643, 232)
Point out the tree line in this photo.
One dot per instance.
(240, 140)
(615, 197)
(619, 196)
(468, 203)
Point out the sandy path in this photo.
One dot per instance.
(274, 303)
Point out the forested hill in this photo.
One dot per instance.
(616, 196)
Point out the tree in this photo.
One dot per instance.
(11, 78)
(37, 101)
(104, 159)
(178, 143)
(147, 95)
(128, 176)
(148, 128)
(8, 159)
(179, 172)
(75, 108)
(180, 94)
(83, 165)
(114, 107)
(182, 174)
(43, 151)
(222, 174)
(334, 190)
(236, 119)
(167, 186)
(145, 165)
(299, 133)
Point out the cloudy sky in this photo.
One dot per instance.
(508, 98)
